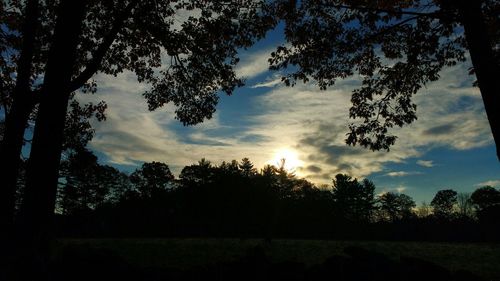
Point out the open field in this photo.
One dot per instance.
(479, 258)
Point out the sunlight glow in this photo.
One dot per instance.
(292, 161)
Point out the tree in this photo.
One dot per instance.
(353, 200)
(424, 210)
(486, 201)
(79, 185)
(152, 178)
(115, 36)
(396, 206)
(247, 168)
(23, 45)
(197, 175)
(464, 203)
(397, 47)
(443, 203)
(485, 197)
(66, 42)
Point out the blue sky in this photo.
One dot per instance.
(449, 146)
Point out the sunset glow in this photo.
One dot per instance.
(292, 161)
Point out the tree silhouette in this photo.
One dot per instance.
(486, 201)
(485, 197)
(65, 43)
(423, 210)
(152, 178)
(353, 200)
(197, 175)
(247, 168)
(396, 206)
(23, 64)
(443, 203)
(397, 47)
(114, 38)
(86, 185)
(465, 205)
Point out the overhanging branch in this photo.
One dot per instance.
(100, 52)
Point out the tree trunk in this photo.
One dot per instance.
(17, 119)
(484, 62)
(42, 172)
(12, 143)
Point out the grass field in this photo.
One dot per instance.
(479, 258)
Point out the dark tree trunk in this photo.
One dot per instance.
(12, 143)
(42, 172)
(17, 119)
(484, 62)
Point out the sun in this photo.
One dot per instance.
(292, 161)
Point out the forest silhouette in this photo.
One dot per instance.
(234, 199)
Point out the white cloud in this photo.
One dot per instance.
(398, 189)
(401, 189)
(313, 123)
(426, 163)
(268, 83)
(254, 64)
(494, 183)
(401, 174)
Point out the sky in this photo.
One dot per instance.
(449, 146)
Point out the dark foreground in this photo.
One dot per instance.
(234, 259)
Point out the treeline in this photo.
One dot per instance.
(234, 199)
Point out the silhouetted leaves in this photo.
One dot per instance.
(443, 203)
(396, 206)
(354, 200)
(395, 47)
(151, 179)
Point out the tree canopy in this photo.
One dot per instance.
(443, 203)
(396, 48)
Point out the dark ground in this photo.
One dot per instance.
(253, 259)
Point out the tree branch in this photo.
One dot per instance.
(100, 52)
(434, 15)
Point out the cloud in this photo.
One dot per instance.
(253, 64)
(440, 130)
(426, 163)
(310, 122)
(401, 174)
(397, 189)
(401, 189)
(269, 83)
(314, 169)
(493, 183)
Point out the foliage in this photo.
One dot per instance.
(465, 205)
(354, 200)
(485, 197)
(395, 47)
(221, 200)
(86, 185)
(396, 206)
(186, 50)
(152, 178)
(486, 201)
(443, 203)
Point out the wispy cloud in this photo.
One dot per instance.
(402, 174)
(313, 123)
(253, 64)
(269, 83)
(398, 189)
(401, 189)
(426, 163)
(494, 183)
